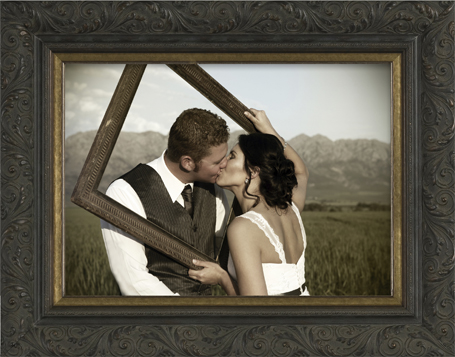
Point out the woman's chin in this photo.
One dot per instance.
(220, 182)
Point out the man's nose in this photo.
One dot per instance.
(223, 163)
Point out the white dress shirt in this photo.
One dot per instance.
(126, 254)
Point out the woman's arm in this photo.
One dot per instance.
(244, 244)
(262, 124)
(213, 274)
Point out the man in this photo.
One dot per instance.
(177, 192)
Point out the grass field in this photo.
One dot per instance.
(87, 269)
(348, 253)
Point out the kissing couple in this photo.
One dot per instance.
(182, 192)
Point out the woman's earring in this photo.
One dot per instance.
(246, 181)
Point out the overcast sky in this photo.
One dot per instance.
(340, 101)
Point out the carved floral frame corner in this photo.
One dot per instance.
(29, 29)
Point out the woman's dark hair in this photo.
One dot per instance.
(277, 173)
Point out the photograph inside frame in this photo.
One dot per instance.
(337, 117)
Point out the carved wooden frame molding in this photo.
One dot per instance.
(423, 32)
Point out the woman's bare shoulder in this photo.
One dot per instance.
(240, 227)
(239, 224)
(244, 238)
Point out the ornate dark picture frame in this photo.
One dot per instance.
(423, 33)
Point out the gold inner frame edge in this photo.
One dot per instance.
(59, 59)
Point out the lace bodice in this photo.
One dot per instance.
(284, 277)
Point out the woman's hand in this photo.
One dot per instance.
(262, 124)
(260, 121)
(212, 274)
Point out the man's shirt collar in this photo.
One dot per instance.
(173, 185)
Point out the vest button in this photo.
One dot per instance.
(194, 227)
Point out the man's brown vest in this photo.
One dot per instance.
(199, 232)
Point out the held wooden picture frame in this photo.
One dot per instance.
(32, 321)
(86, 192)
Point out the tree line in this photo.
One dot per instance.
(361, 206)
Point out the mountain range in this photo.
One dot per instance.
(345, 170)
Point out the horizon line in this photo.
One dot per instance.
(239, 131)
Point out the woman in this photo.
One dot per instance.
(267, 242)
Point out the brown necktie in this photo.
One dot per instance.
(187, 195)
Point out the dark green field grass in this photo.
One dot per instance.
(348, 253)
(87, 269)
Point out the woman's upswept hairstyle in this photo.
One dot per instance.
(277, 173)
(194, 132)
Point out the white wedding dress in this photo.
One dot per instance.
(284, 277)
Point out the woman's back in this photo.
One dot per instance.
(286, 227)
(266, 243)
(283, 265)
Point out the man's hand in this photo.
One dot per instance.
(211, 274)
